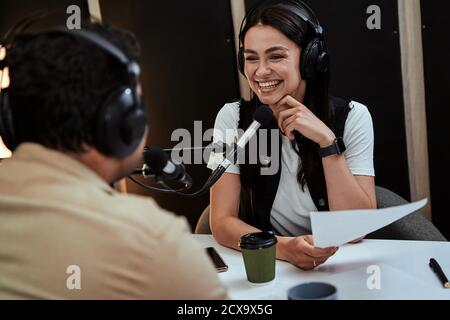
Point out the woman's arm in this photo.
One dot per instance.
(345, 190)
(227, 228)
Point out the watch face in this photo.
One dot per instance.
(341, 145)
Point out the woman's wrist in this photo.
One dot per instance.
(327, 140)
(282, 251)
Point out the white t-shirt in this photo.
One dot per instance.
(290, 214)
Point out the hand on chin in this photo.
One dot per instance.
(273, 103)
(270, 101)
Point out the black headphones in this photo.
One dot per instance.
(122, 116)
(314, 58)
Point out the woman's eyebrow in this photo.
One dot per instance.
(272, 49)
(277, 48)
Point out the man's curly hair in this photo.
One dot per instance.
(59, 82)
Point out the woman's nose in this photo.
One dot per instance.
(262, 70)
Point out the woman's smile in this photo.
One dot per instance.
(268, 86)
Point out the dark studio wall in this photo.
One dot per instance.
(366, 67)
(436, 46)
(188, 74)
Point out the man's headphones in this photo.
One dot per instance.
(314, 58)
(121, 119)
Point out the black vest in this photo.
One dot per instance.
(258, 191)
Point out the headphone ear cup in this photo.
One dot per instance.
(308, 60)
(134, 127)
(323, 62)
(241, 60)
(6, 121)
(314, 60)
(121, 124)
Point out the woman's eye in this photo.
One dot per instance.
(251, 58)
(276, 57)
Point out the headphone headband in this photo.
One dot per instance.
(292, 7)
(298, 12)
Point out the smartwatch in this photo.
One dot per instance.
(337, 147)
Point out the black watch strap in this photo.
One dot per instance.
(337, 147)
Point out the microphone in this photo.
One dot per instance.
(158, 163)
(263, 116)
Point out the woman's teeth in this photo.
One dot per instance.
(269, 84)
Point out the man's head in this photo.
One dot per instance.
(59, 84)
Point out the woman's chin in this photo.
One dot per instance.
(269, 100)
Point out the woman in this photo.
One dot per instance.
(284, 58)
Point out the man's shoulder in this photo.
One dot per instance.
(144, 214)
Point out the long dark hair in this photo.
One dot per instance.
(279, 15)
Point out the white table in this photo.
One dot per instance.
(403, 269)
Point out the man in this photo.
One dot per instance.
(64, 232)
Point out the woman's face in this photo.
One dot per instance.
(272, 65)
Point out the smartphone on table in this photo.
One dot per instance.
(220, 265)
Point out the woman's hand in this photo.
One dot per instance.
(293, 115)
(300, 251)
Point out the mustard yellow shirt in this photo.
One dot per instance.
(66, 234)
